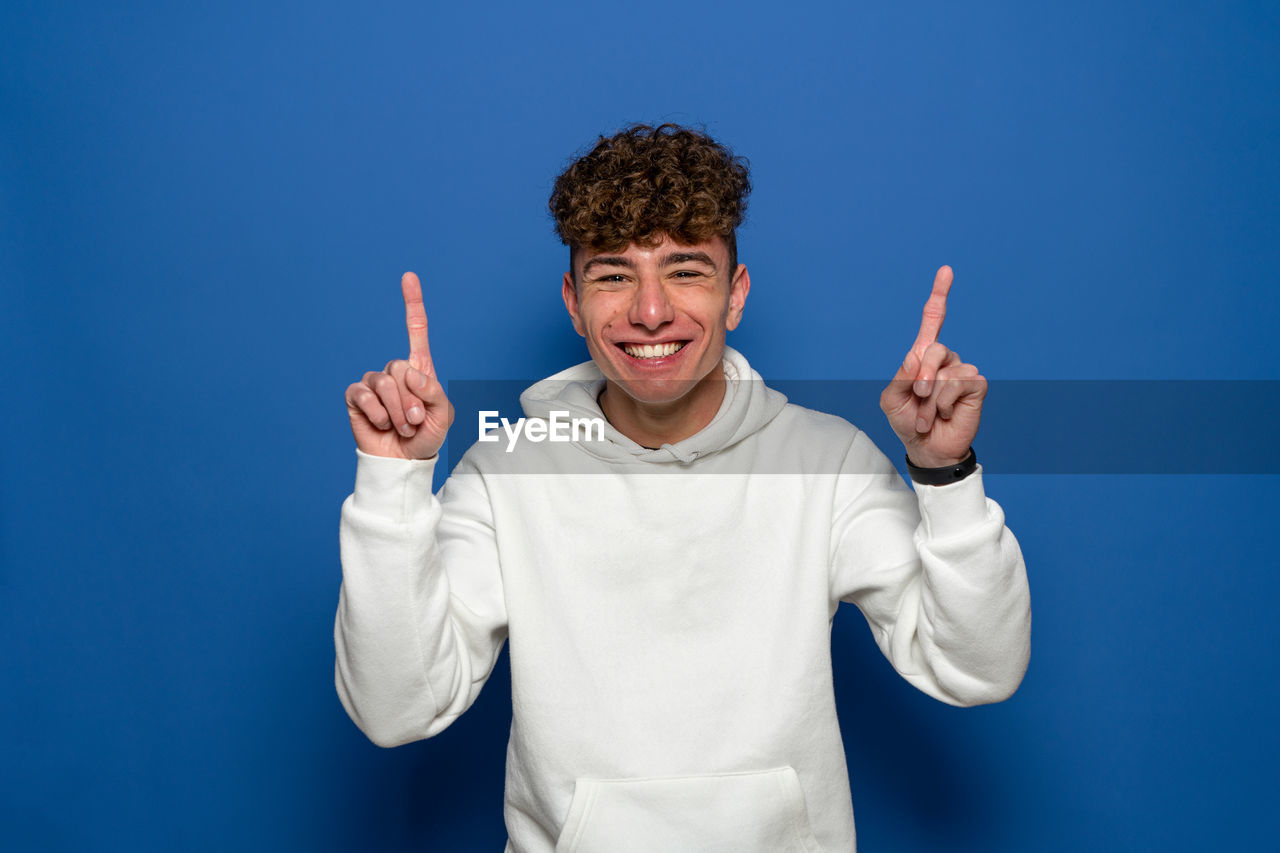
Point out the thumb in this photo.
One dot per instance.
(899, 391)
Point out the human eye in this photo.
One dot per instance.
(609, 281)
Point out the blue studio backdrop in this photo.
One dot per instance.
(204, 213)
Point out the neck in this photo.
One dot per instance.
(656, 424)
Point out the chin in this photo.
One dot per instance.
(656, 392)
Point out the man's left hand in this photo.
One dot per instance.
(934, 402)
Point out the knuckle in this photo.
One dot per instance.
(370, 408)
(387, 393)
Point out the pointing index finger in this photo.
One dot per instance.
(935, 311)
(415, 320)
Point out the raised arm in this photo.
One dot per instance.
(421, 615)
(938, 575)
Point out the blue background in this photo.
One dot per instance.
(204, 212)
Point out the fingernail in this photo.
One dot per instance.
(922, 388)
(921, 426)
(414, 414)
(406, 430)
(418, 378)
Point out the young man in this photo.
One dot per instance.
(668, 583)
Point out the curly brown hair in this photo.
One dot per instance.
(644, 183)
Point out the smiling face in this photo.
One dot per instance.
(655, 319)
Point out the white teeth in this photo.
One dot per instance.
(652, 350)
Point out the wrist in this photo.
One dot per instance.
(943, 472)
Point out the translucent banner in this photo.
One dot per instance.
(1028, 426)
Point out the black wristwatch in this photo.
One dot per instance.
(945, 475)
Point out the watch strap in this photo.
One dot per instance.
(945, 475)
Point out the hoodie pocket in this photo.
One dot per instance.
(756, 812)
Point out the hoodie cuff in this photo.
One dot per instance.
(952, 509)
(392, 487)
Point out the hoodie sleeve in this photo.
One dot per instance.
(938, 576)
(421, 614)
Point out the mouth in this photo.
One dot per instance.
(648, 352)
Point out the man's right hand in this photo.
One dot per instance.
(402, 411)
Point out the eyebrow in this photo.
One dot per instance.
(606, 261)
(687, 257)
(667, 260)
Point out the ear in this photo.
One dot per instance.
(739, 287)
(570, 294)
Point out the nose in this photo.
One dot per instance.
(651, 308)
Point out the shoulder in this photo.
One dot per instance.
(819, 442)
(797, 424)
(799, 441)
(800, 419)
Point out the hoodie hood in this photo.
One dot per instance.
(747, 407)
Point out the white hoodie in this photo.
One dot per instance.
(669, 613)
